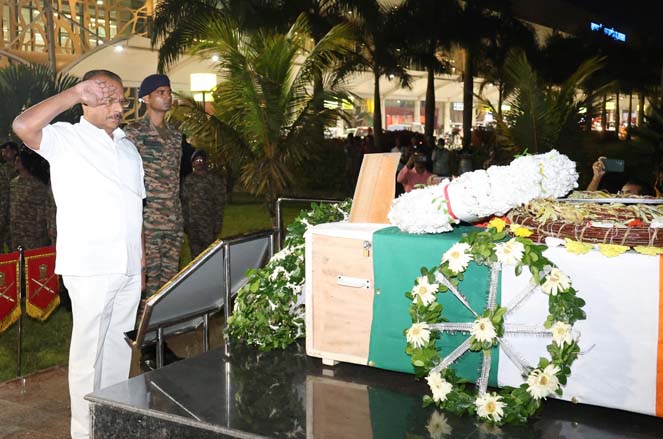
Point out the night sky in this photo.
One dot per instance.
(637, 14)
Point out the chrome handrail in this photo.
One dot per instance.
(143, 325)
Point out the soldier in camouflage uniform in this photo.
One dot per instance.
(28, 204)
(160, 146)
(7, 174)
(203, 201)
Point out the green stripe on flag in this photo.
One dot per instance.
(397, 261)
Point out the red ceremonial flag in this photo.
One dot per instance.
(41, 282)
(10, 307)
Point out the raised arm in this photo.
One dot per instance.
(28, 125)
(598, 169)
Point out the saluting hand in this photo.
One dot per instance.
(96, 92)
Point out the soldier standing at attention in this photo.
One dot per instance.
(203, 202)
(160, 146)
(28, 204)
(7, 174)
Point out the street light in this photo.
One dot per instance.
(202, 83)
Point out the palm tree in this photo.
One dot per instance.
(176, 22)
(425, 42)
(22, 86)
(540, 115)
(479, 19)
(264, 108)
(377, 50)
(510, 34)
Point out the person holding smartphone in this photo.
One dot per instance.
(630, 187)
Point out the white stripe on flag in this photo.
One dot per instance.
(619, 337)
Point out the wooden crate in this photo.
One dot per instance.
(339, 268)
(339, 294)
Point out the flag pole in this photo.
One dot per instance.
(21, 305)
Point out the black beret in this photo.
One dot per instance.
(199, 153)
(151, 83)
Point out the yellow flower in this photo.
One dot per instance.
(520, 231)
(612, 250)
(578, 248)
(497, 224)
(649, 251)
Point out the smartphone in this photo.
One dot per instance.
(613, 165)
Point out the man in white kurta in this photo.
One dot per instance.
(97, 181)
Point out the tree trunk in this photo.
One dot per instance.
(617, 114)
(500, 99)
(50, 35)
(590, 111)
(318, 105)
(468, 97)
(377, 115)
(430, 108)
(641, 107)
(661, 90)
(604, 114)
(630, 110)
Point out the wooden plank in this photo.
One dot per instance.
(376, 188)
(340, 328)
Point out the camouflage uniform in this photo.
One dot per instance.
(28, 203)
(203, 201)
(162, 214)
(7, 174)
(51, 211)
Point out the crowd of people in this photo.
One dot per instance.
(428, 162)
(121, 208)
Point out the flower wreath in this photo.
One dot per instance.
(448, 391)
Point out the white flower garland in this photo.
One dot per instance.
(480, 194)
(487, 329)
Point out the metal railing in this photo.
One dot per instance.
(137, 338)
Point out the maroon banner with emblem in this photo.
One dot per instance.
(10, 305)
(41, 282)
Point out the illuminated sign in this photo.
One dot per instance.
(458, 106)
(615, 35)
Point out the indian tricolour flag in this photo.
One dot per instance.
(621, 341)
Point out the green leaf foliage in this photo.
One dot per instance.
(265, 313)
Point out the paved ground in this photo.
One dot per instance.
(37, 406)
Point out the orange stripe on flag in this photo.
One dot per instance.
(659, 359)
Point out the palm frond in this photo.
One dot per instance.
(22, 86)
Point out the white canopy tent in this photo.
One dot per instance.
(133, 58)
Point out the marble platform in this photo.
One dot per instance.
(286, 394)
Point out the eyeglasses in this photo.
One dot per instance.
(124, 103)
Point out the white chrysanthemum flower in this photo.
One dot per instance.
(422, 211)
(490, 405)
(483, 330)
(439, 387)
(561, 333)
(510, 252)
(458, 257)
(438, 427)
(483, 193)
(418, 335)
(556, 282)
(541, 383)
(424, 290)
